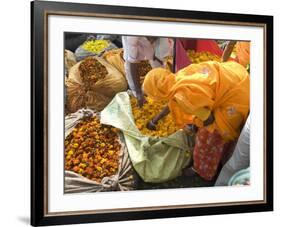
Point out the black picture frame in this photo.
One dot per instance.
(39, 12)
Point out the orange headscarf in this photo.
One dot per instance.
(161, 80)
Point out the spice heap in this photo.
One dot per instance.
(92, 150)
(95, 46)
(91, 70)
(166, 126)
(198, 57)
(143, 67)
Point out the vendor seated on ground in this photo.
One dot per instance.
(138, 48)
(210, 99)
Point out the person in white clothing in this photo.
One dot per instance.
(141, 48)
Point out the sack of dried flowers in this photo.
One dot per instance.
(157, 156)
(92, 83)
(93, 47)
(96, 157)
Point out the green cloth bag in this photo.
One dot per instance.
(156, 159)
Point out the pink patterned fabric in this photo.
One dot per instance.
(208, 151)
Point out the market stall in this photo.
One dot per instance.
(109, 144)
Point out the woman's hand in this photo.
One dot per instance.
(151, 125)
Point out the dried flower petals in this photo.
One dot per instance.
(91, 71)
(92, 150)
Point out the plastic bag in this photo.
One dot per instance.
(99, 95)
(155, 159)
(81, 53)
(124, 180)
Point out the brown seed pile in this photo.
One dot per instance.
(91, 70)
(143, 67)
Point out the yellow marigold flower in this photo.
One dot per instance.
(110, 152)
(70, 152)
(75, 145)
(103, 160)
(80, 171)
(82, 165)
(98, 168)
(95, 46)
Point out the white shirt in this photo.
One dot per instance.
(137, 49)
(140, 48)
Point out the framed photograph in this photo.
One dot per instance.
(141, 113)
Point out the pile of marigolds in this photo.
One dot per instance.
(165, 127)
(198, 57)
(91, 70)
(92, 150)
(95, 46)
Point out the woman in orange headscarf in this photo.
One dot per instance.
(214, 97)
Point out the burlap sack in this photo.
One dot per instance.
(98, 96)
(69, 60)
(124, 180)
(115, 58)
